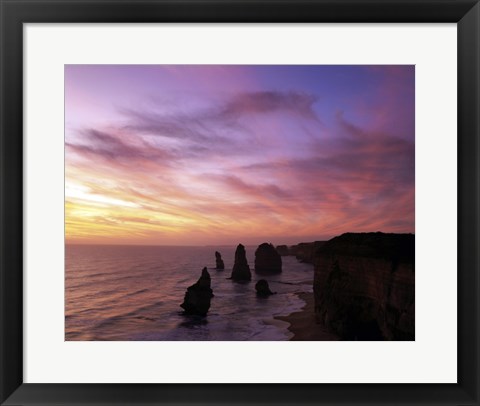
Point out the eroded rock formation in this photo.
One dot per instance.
(262, 288)
(267, 260)
(364, 286)
(219, 261)
(241, 270)
(198, 296)
(305, 251)
(282, 250)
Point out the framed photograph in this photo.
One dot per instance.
(239, 202)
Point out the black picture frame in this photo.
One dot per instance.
(14, 13)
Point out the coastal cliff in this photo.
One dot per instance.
(304, 251)
(364, 286)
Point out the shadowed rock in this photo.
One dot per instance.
(219, 261)
(241, 270)
(267, 260)
(364, 286)
(283, 250)
(197, 298)
(262, 288)
(305, 251)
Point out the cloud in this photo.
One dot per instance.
(359, 153)
(215, 124)
(111, 147)
(269, 102)
(248, 165)
(254, 190)
(354, 179)
(349, 153)
(191, 127)
(178, 136)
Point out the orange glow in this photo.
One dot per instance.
(226, 159)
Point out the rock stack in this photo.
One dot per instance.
(241, 270)
(267, 260)
(197, 298)
(262, 288)
(219, 261)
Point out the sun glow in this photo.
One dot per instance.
(248, 157)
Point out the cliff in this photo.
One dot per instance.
(364, 286)
(305, 251)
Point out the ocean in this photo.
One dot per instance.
(134, 293)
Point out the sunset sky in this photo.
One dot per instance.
(223, 154)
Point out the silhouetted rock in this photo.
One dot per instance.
(267, 260)
(219, 261)
(283, 250)
(263, 289)
(364, 286)
(241, 270)
(305, 251)
(197, 298)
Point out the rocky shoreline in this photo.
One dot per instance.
(363, 286)
(303, 324)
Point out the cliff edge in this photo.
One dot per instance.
(364, 286)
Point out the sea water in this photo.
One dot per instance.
(134, 293)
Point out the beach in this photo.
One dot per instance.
(303, 324)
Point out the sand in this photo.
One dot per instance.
(303, 324)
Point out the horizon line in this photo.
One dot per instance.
(222, 245)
